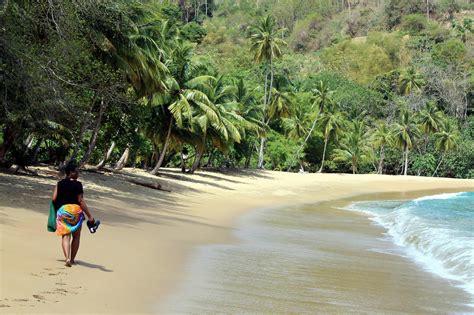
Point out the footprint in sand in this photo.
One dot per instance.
(38, 297)
(4, 305)
(20, 300)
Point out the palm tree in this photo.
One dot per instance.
(281, 105)
(381, 137)
(353, 146)
(216, 118)
(297, 125)
(332, 122)
(323, 97)
(267, 46)
(404, 134)
(431, 118)
(447, 139)
(178, 101)
(252, 111)
(411, 81)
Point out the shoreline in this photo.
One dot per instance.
(147, 237)
(445, 295)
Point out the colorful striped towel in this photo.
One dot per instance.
(68, 219)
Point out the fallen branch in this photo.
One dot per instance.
(149, 185)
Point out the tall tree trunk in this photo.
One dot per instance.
(248, 158)
(183, 162)
(163, 151)
(107, 156)
(9, 135)
(428, 9)
(437, 167)
(324, 155)
(382, 156)
(206, 8)
(36, 150)
(210, 159)
(261, 152)
(271, 81)
(78, 141)
(92, 143)
(265, 89)
(197, 159)
(354, 166)
(405, 171)
(304, 142)
(123, 160)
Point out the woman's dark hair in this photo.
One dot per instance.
(70, 168)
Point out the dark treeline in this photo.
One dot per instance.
(328, 86)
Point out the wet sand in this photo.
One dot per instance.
(350, 267)
(140, 253)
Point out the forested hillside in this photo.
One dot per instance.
(362, 86)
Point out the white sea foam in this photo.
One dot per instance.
(440, 196)
(437, 245)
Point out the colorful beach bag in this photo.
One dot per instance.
(52, 218)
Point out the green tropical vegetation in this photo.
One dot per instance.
(366, 86)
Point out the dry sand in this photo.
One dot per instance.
(139, 253)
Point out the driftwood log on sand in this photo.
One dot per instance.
(149, 185)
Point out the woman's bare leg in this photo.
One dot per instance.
(76, 240)
(66, 243)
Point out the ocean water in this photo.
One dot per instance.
(322, 259)
(436, 231)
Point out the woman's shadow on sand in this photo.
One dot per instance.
(89, 265)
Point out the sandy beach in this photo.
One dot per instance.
(139, 255)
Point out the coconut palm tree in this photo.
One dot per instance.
(353, 146)
(332, 123)
(431, 118)
(267, 46)
(411, 81)
(178, 101)
(447, 139)
(404, 134)
(380, 139)
(322, 98)
(217, 119)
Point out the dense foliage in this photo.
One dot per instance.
(371, 86)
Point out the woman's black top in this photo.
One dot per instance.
(68, 192)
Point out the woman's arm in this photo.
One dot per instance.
(84, 207)
(55, 193)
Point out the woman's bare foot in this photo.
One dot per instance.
(68, 263)
(73, 262)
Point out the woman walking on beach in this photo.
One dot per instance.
(70, 206)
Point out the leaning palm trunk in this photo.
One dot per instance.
(260, 153)
(354, 165)
(382, 156)
(163, 152)
(107, 156)
(437, 167)
(324, 155)
(197, 159)
(94, 134)
(123, 160)
(9, 135)
(405, 171)
(77, 146)
(271, 81)
(183, 162)
(303, 144)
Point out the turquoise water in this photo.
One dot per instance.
(437, 231)
(312, 258)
